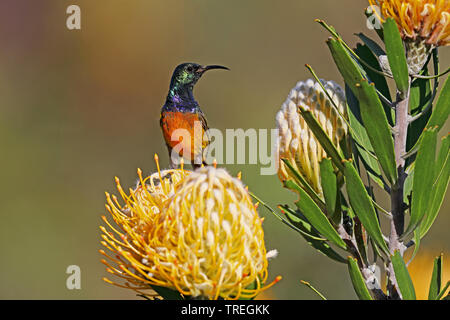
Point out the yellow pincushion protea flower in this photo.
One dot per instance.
(423, 24)
(134, 241)
(296, 142)
(215, 229)
(196, 232)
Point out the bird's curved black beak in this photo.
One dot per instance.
(203, 69)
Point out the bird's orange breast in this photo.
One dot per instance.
(183, 131)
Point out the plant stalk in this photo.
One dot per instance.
(397, 203)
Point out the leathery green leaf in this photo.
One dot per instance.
(318, 219)
(322, 137)
(329, 185)
(443, 291)
(441, 110)
(419, 96)
(436, 279)
(324, 248)
(371, 44)
(358, 280)
(362, 205)
(416, 239)
(380, 82)
(377, 128)
(396, 54)
(346, 65)
(407, 187)
(365, 150)
(311, 236)
(353, 78)
(303, 183)
(439, 187)
(424, 170)
(297, 222)
(404, 281)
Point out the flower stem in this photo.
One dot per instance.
(397, 204)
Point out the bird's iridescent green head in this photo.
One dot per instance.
(187, 74)
(184, 77)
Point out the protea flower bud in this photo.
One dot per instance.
(417, 53)
(296, 142)
(423, 25)
(205, 240)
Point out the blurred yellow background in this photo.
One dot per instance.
(79, 107)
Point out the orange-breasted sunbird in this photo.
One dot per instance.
(183, 123)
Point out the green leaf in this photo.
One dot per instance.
(419, 96)
(424, 171)
(407, 187)
(396, 55)
(380, 139)
(362, 205)
(375, 250)
(380, 81)
(322, 137)
(329, 28)
(436, 279)
(403, 279)
(312, 237)
(361, 238)
(167, 294)
(363, 148)
(296, 224)
(300, 223)
(371, 44)
(358, 280)
(318, 219)
(416, 240)
(439, 187)
(377, 128)
(441, 110)
(346, 65)
(443, 291)
(325, 249)
(329, 185)
(291, 220)
(303, 183)
(305, 229)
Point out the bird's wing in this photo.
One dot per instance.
(207, 138)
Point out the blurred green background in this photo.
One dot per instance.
(79, 107)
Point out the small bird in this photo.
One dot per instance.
(181, 111)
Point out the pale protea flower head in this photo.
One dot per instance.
(197, 233)
(423, 24)
(296, 142)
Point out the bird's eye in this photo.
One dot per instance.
(190, 69)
